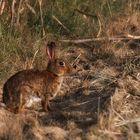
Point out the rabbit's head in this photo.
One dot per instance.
(56, 66)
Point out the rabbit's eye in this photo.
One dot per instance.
(61, 63)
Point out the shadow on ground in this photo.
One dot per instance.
(82, 109)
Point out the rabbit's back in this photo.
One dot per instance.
(32, 78)
(30, 83)
(27, 81)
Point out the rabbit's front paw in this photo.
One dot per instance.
(49, 108)
(46, 106)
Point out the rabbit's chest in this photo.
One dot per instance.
(53, 87)
(50, 88)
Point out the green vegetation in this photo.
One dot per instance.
(63, 17)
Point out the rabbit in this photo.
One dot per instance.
(44, 84)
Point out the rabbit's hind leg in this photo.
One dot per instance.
(12, 102)
(17, 104)
(22, 93)
(21, 104)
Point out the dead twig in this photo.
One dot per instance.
(59, 22)
(133, 36)
(2, 6)
(73, 104)
(74, 62)
(100, 26)
(41, 17)
(117, 38)
(126, 122)
(93, 16)
(84, 13)
(18, 13)
(13, 12)
(30, 8)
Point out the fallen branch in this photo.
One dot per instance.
(126, 122)
(133, 37)
(78, 41)
(100, 26)
(2, 6)
(41, 17)
(13, 12)
(59, 22)
(87, 14)
(18, 13)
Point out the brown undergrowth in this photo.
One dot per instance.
(99, 100)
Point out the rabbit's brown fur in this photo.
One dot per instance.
(44, 84)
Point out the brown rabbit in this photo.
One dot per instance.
(28, 83)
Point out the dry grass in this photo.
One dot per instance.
(100, 100)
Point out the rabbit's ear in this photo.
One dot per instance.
(51, 50)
